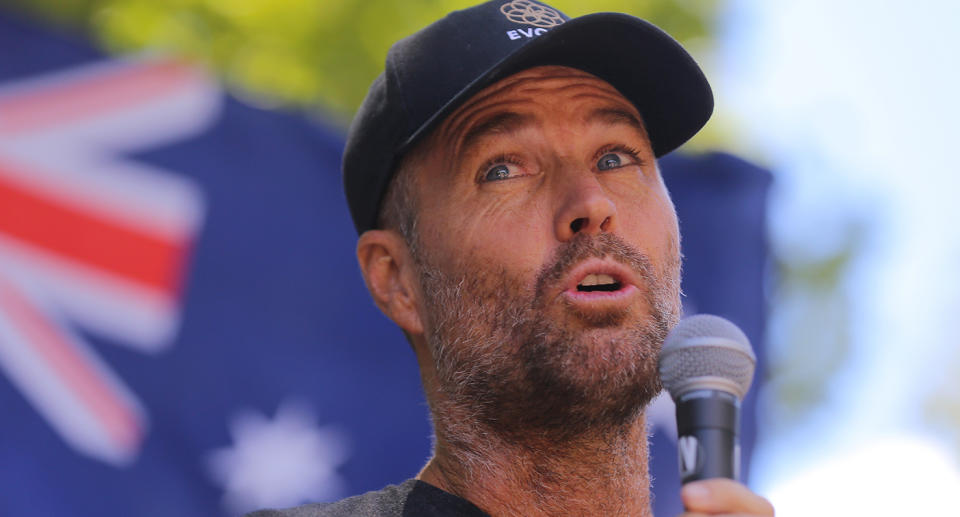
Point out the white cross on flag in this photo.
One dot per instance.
(92, 238)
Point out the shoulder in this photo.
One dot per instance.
(387, 502)
(411, 497)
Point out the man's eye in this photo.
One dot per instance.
(497, 172)
(609, 161)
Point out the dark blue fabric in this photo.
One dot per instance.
(721, 201)
(275, 309)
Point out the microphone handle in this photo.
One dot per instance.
(708, 429)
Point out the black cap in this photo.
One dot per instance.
(432, 72)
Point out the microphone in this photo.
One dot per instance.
(707, 365)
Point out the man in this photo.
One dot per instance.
(513, 223)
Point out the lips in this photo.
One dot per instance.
(601, 281)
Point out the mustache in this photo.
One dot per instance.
(582, 247)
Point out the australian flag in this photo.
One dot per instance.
(183, 327)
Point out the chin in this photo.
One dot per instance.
(572, 383)
(607, 362)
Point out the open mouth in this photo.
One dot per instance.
(599, 282)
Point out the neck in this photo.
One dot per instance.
(602, 474)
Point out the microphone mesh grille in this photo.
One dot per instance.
(706, 347)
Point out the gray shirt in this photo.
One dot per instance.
(412, 498)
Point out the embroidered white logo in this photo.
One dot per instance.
(530, 13)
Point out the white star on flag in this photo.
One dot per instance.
(281, 462)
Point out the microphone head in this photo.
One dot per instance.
(706, 352)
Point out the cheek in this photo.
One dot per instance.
(500, 236)
(652, 221)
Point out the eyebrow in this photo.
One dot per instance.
(502, 123)
(508, 122)
(614, 116)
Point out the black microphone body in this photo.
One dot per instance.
(708, 431)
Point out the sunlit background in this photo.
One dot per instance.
(851, 104)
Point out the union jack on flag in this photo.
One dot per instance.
(91, 239)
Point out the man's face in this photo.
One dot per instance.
(548, 254)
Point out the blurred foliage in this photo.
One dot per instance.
(809, 330)
(313, 54)
(942, 407)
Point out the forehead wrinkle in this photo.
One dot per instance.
(502, 122)
(506, 118)
(469, 115)
(617, 111)
(611, 96)
(521, 89)
(615, 116)
(480, 104)
(454, 138)
(522, 83)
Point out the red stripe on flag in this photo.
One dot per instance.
(81, 97)
(91, 240)
(111, 410)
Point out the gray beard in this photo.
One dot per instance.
(520, 374)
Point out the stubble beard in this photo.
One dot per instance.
(516, 368)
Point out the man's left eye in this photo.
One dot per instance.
(609, 161)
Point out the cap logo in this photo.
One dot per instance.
(531, 13)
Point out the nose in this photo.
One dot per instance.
(585, 207)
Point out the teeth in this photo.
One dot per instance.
(601, 279)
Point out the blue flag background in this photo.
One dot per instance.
(277, 380)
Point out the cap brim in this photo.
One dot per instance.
(643, 63)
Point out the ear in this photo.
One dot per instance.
(387, 269)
